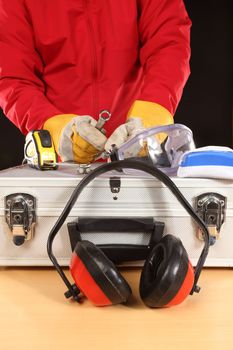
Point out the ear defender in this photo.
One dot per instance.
(167, 277)
(97, 277)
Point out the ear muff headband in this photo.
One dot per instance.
(124, 164)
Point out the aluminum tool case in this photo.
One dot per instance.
(139, 196)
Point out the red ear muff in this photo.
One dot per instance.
(167, 277)
(97, 277)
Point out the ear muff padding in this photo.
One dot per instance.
(167, 276)
(97, 277)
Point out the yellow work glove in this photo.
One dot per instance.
(75, 137)
(142, 115)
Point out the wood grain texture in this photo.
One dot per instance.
(35, 315)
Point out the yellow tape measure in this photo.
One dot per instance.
(39, 151)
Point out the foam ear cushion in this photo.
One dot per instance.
(97, 277)
(167, 276)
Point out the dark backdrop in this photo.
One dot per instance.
(206, 105)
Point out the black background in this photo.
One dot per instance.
(206, 105)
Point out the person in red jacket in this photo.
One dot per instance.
(63, 61)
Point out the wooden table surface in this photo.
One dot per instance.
(35, 315)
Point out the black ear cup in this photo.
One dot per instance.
(97, 277)
(167, 276)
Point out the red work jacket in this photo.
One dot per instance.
(82, 56)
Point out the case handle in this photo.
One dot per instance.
(118, 252)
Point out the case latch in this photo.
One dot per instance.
(211, 209)
(115, 186)
(20, 216)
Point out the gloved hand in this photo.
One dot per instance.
(123, 133)
(142, 115)
(75, 137)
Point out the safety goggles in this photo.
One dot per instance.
(163, 146)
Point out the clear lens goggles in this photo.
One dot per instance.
(164, 146)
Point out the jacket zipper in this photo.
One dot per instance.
(95, 97)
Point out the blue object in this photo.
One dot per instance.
(208, 162)
(214, 158)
